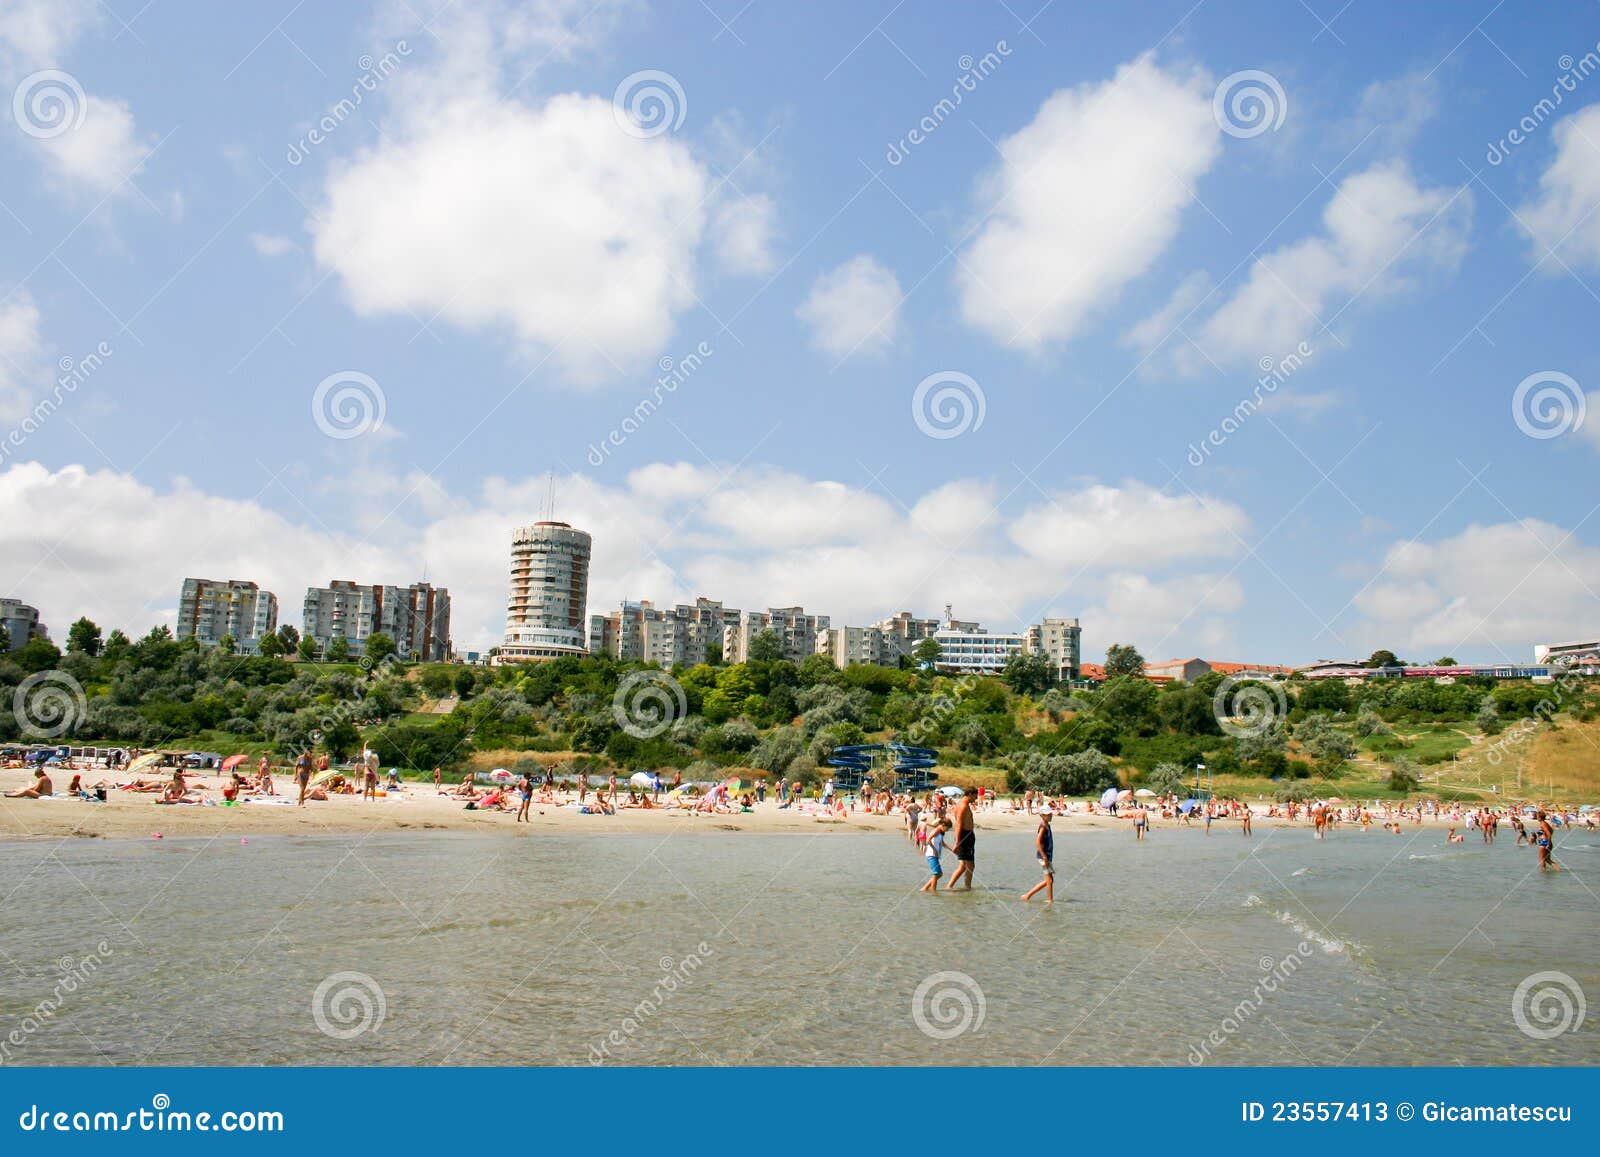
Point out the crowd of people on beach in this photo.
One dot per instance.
(936, 822)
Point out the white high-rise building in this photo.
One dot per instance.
(208, 610)
(547, 608)
(416, 618)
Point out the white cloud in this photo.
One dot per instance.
(1500, 587)
(37, 33)
(1161, 325)
(95, 157)
(1563, 216)
(854, 306)
(1591, 418)
(21, 354)
(101, 153)
(1391, 114)
(754, 537)
(1089, 194)
(1379, 230)
(743, 234)
(550, 221)
(271, 245)
(1105, 527)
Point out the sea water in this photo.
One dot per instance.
(720, 947)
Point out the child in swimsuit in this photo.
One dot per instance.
(933, 851)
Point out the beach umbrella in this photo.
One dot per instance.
(1124, 794)
(1108, 797)
(1144, 793)
(733, 784)
(1333, 799)
(233, 761)
(642, 779)
(951, 790)
(146, 761)
(500, 773)
(1188, 806)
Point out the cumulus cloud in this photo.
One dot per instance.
(854, 306)
(104, 147)
(1501, 587)
(549, 221)
(743, 234)
(21, 353)
(1562, 216)
(1132, 525)
(1379, 231)
(1087, 196)
(101, 153)
(117, 549)
(32, 31)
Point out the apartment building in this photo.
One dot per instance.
(796, 631)
(21, 622)
(680, 637)
(546, 611)
(417, 618)
(208, 609)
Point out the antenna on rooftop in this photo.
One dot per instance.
(549, 509)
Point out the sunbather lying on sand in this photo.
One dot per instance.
(41, 788)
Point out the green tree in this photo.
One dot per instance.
(927, 653)
(1123, 659)
(227, 645)
(1369, 723)
(1488, 717)
(1027, 673)
(290, 637)
(1403, 774)
(270, 646)
(5, 640)
(436, 682)
(1167, 779)
(340, 738)
(765, 646)
(465, 681)
(338, 650)
(1382, 658)
(37, 654)
(1446, 661)
(307, 649)
(83, 637)
(378, 648)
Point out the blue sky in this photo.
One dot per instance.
(1090, 245)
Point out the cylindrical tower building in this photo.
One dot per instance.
(548, 604)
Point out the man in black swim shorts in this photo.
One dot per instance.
(961, 821)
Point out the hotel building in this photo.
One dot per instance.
(547, 607)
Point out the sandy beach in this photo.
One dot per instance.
(134, 815)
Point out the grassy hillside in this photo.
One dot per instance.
(1385, 738)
